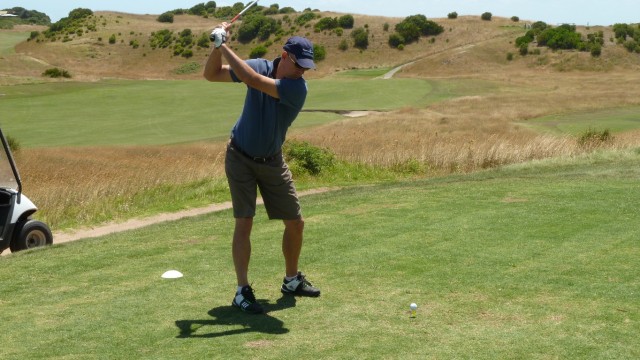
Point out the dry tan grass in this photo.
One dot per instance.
(66, 180)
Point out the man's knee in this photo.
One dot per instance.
(296, 225)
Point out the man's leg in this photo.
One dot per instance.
(292, 245)
(295, 283)
(241, 249)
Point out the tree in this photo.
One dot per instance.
(452, 15)
(486, 16)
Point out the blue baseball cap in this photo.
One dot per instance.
(302, 49)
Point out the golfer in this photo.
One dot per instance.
(276, 92)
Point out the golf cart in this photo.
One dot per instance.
(17, 230)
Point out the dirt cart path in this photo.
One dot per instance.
(85, 233)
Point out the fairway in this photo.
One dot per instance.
(122, 112)
(8, 41)
(537, 260)
(615, 120)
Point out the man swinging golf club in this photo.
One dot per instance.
(276, 92)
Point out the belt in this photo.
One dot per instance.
(261, 160)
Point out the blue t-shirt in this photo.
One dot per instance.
(262, 127)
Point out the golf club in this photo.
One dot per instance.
(243, 11)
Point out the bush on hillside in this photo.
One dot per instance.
(319, 52)
(346, 21)
(257, 26)
(287, 10)
(360, 38)
(161, 39)
(515, 19)
(305, 18)
(166, 17)
(413, 27)
(326, 23)
(344, 45)
(80, 13)
(486, 16)
(76, 20)
(56, 73)
(452, 15)
(395, 40)
(258, 52)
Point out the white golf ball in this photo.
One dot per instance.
(413, 306)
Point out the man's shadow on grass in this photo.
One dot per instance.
(229, 316)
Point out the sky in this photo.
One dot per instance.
(579, 12)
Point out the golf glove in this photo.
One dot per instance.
(218, 37)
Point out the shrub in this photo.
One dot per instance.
(203, 41)
(509, 56)
(80, 13)
(486, 16)
(396, 40)
(257, 25)
(161, 39)
(14, 144)
(415, 26)
(112, 39)
(360, 38)
(56, 73)
(326, 23)
(385, 27)
(515, 19)
(346, 21)
(305, 18)
(524, 49)
(594, 138)
(596, 50)
(166, 17)
(319, 52)
(307, 158)
(344, 45)
(257, 52)
(452, 15)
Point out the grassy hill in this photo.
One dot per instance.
(467, 46)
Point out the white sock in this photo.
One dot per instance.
(289, 278)
(239, 289)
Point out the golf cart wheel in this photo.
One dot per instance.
(30, 234)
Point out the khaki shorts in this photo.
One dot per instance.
(272, 177)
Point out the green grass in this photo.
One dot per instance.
(615, 119)
(119, 112)
(8, 41)
(537, 260)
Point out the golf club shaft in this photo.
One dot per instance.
(243, 11)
